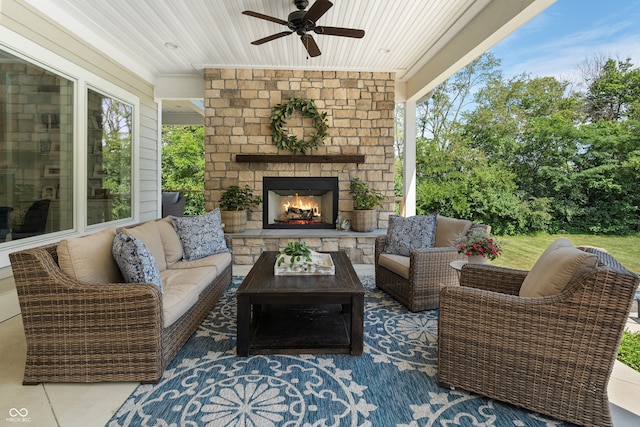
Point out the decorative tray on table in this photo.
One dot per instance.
(320, 264)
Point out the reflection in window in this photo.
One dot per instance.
(109, 149)
(36, 146)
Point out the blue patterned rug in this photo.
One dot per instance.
(393, 384)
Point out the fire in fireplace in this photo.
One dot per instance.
(305, 202)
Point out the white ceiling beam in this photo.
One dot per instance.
(491, 25)
(180, 87)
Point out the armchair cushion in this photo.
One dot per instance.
(558, 265)
(407, 234)
(449, 230)
(397, 263)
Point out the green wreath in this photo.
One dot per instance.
(309, 109)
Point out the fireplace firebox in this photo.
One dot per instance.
(304, 202)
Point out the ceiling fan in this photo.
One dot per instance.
(302, 22)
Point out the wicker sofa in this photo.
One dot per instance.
(84, 324)
(551, 354)
(416, 280)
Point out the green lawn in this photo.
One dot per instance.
(523, 251)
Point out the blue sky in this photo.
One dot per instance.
(557, 41)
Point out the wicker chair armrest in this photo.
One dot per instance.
(492, 278)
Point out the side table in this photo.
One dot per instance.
(457, 265)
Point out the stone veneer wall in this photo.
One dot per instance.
(360, 111)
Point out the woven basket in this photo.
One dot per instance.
(234, 221)
(364, 220)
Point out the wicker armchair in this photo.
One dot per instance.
(417, 281)
(551, 355)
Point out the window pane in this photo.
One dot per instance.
(36, 146)
(109, 136)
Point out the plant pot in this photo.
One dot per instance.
(234, 221)
(364, 220)
(478, 259)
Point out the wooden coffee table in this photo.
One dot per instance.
(300, 314)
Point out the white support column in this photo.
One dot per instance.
(410, 157)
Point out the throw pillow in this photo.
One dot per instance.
(558, 265)
(201, 236)
(449, 230)
(407, 234)
(149, 234)
(135, 260)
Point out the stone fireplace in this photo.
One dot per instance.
(239, 150)
(299, 202)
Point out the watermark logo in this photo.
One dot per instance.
(18, 415)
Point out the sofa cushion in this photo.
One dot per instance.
(200, 235)
(135, 260)
(170, 241)
(88, 259)
(200, 277)
(149, 234)
(449, 230)
(407, 234)
(218, 261)
(176, 301)
(397, 263)
(558, 265)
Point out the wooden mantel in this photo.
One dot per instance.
(299, 158)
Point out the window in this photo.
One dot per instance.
(109, 150)
(36, 150)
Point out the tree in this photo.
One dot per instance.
(183, 163)
(614, 92)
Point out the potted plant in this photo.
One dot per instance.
(365, 200)
(294, 253)
(234, 204)
(478, 246)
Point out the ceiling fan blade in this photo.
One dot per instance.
(265, 17)
(310, 44)
(338, 31)
(272, 37)
(318, 9)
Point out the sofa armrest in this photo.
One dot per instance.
(72, 323)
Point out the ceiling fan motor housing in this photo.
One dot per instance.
(298, 24)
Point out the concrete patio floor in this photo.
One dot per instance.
(88, 405)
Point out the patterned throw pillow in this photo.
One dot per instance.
(135, 260)
(407, 234)
(201, 236)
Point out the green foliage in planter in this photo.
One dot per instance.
(309, 109)
(297, 251)
(237, 198)
(365, 197)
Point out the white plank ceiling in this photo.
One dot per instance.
(401, 36)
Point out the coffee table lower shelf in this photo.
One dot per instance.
(300, 329)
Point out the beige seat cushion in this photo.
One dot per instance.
(217, 261)
(149, 234)
(170, 241)
(88, 259)
(448, 230)
(177, 300)
(200, 277)
(397, 263)
(558, 265)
